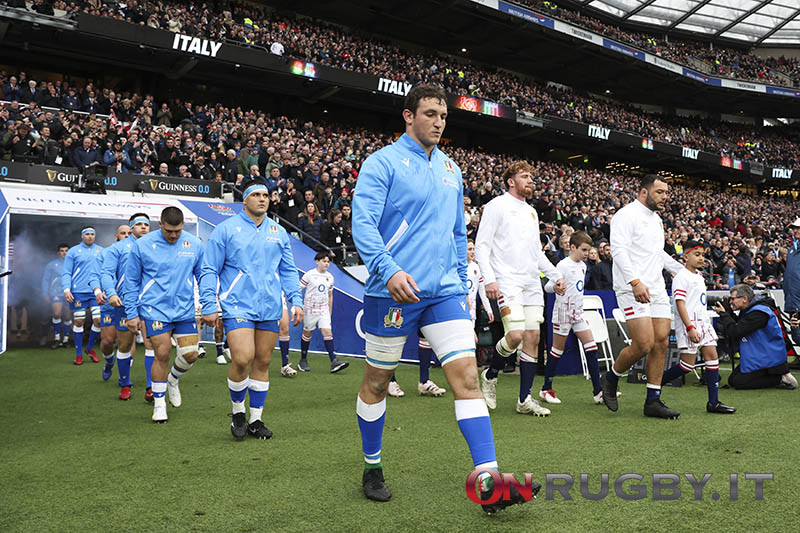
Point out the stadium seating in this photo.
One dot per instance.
(332, 45)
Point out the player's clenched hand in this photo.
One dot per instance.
(401, 288)
(561, 287)
(132, 323)
(297, 315)
(641, 293)
(492, 291)
(68, 296)
(210, 320)
(115, 301)
(694, 336)
(100, 297)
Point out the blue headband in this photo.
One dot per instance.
(253, 188)
(87, 230)
(140, 219)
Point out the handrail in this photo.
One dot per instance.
(63, 23)
(6, 103)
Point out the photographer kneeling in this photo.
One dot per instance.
(761, 346)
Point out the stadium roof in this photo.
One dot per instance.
(758, 22)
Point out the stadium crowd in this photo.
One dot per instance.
(727, 62)
(311, 170)
(205, 19)
(322, 43)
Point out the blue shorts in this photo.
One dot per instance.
(156, 327)
(83, 301)
(238, 323)
(386, 318)
(56, 299)
(113, 316)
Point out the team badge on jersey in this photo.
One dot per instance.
(448, 166)
(186, 244)
(157, 325)
(394, 318)
(273, 229)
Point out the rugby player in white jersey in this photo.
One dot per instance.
(509, 251)
(637, 248)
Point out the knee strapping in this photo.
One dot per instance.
(534, 316)
(451, 340)
(513, 318)
(384, 352)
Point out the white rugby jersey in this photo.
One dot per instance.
(318, 285)
(691, 288)
(637, 248)
(508, 248)
(574, 274)
(476, 286)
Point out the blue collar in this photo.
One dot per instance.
(413, 146)
(250, 221)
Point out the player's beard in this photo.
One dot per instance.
(651, 204)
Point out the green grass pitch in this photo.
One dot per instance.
(75, 458)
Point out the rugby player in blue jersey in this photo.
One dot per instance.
(108, 333)
(51, 289)
(159, 288)
(77, 274)
(246, 253)
(112, 278)
(408, 226)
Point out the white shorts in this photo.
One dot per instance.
(512, 294)
(310, 322)
(708, 337)
(659, 306)
(565, 319)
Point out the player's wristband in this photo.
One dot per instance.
(690, 328)
(98, 292)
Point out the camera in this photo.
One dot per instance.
(712, 301)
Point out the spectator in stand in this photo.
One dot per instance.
(273, 179)
(310, 223)
(118, 159)
(201, 171)
(343, 199)
(85, 155)
(11, 90)
(333, 234)
(30, 95)
(292, 201)
(600, 270)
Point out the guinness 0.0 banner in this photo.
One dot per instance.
(120, 181)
